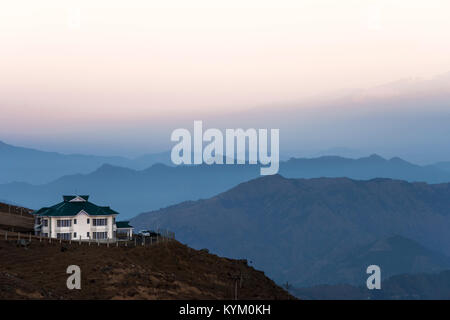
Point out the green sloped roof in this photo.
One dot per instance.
(123, 224)
(67, 208)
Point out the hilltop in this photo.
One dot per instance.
(162, 271)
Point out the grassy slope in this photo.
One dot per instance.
(164, 271)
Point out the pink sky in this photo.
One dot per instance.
(69, 67)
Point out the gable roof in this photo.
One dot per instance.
(75, 198)
(72, 208)
(123, 224)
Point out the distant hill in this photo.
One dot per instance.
(134, 191)
(19, 164)
(365, 168)
(313, 231)
(443, 166)
(130, 191)
(394, 255)
(400, 287)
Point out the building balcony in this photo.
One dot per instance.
(63, 229)
(99, 228)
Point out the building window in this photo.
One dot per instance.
(63, 223)
(100, 235)
(74, 221)
(74, 235)
(45, 222)
(99, 222)
(88, 234)
(63, 236)
(88, 221)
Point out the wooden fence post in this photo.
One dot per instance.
(6, 235)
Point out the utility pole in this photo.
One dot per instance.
(287, 286)
(236, 279)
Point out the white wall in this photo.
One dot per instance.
(81, 228)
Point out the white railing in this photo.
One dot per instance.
(63, 229)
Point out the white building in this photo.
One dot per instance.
(76, 218)
(124, 230)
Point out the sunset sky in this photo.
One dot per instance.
(110, 71)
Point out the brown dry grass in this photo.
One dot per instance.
(163, 271)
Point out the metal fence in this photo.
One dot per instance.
(25, 239)
(4, 207)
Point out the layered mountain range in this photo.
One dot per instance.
(132, 190)
(316, 231)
